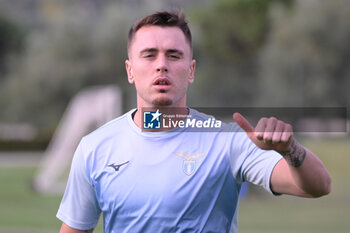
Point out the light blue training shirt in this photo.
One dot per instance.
(169, 181)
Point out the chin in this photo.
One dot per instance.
(163, 102)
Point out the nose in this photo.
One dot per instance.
(162, 64)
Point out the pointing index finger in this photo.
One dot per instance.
(243, 123)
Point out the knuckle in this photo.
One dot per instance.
(261, 124)
(264, 118)
(289, 127)
(272, 119)
(280, 125)
(280, 122)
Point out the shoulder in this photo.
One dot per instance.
(112, 129)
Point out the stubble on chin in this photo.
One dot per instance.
(162, 102)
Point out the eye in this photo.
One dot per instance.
(175, 57)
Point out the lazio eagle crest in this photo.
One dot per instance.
(189, 164)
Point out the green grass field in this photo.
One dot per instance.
(22, 210)
(331, 214)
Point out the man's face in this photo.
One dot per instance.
(160, 65)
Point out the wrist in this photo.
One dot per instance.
(295, 154)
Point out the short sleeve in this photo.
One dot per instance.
(250, 163)
(79, 207)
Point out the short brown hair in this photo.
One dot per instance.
(162, 19)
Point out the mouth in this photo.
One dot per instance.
(162, 84)
(161, 81)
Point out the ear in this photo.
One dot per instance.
(192, 70)
(129, 71)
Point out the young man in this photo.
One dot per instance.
(178, 180)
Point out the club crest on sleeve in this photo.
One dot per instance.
(189, 164)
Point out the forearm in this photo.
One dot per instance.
(307, 170)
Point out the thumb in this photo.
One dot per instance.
(243, 123)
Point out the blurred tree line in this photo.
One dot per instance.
(274, 53)
(232, 34)
(248, 52)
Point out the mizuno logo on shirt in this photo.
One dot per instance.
(117, 166)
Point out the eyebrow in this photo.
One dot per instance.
(148, 50)
(152, 50)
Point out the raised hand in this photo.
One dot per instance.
(269, 133)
